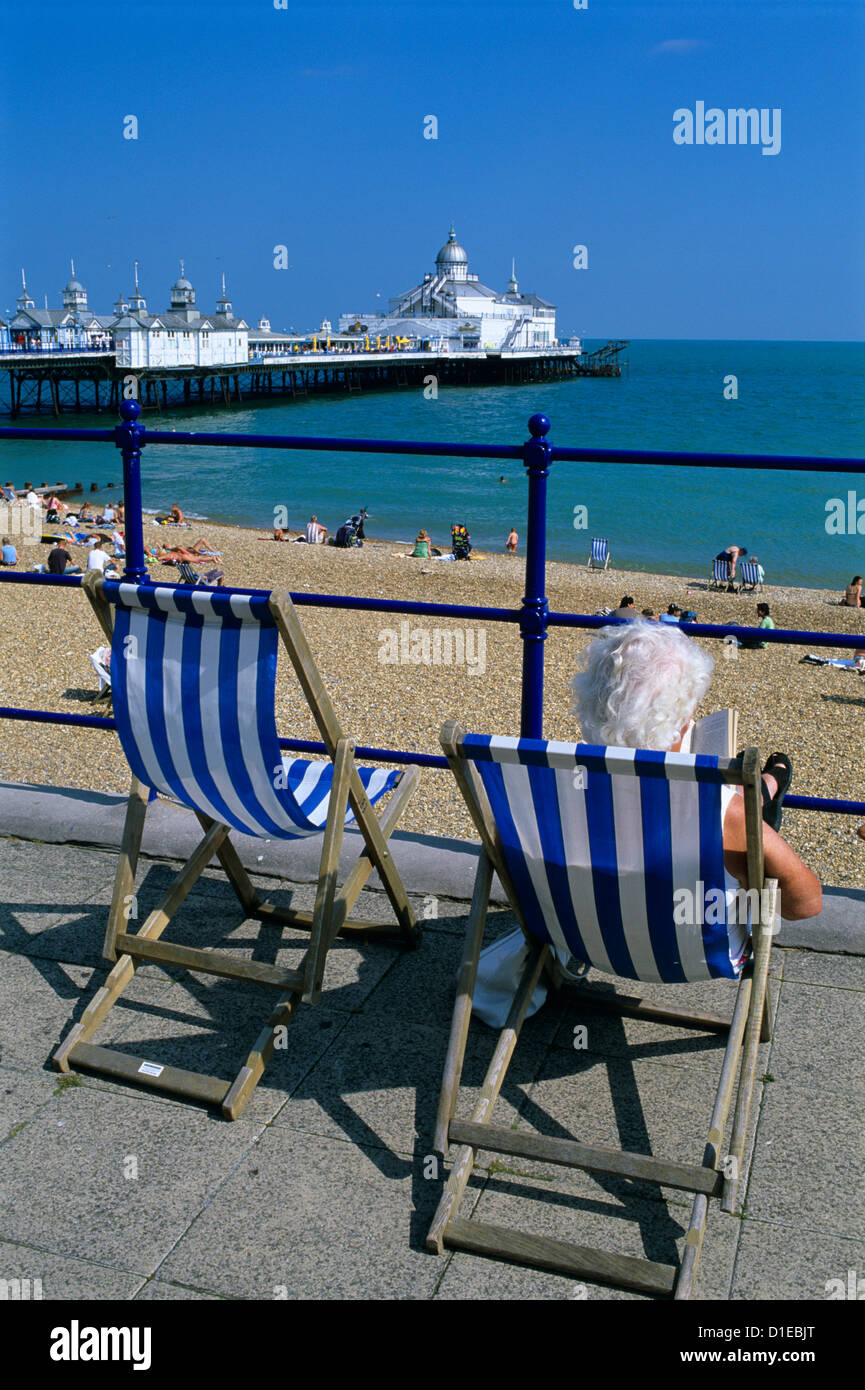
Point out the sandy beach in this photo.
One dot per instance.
(813, 713)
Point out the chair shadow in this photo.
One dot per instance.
(216, 1044)
(844, 700)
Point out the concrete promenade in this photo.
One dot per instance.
(324, 1188)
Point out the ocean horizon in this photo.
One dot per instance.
(790, 398)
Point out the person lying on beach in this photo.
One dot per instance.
(639, 687)
(853, 593)
(279, 534)
(191, 554)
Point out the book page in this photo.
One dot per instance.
(716, 734)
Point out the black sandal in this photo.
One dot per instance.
(780, 767)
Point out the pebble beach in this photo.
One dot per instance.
(813, 713)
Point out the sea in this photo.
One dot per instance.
(729, 397)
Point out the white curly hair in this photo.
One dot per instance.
(639, 683)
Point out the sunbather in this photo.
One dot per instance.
(853, 593)
(639, 687)
(192, 554)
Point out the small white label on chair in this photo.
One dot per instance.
(151, 1069)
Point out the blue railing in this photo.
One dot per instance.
(533, 617)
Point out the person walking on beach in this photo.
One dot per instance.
(765, 621)
(511, 542)
(853, 593)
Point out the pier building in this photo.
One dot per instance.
(181, 337)
(451, 310)
(74, 327)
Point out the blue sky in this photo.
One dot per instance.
(304, 126)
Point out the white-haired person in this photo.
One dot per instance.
(639, 687)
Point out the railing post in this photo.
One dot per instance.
(533, 616)
(129, 438)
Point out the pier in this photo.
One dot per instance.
(60, 382)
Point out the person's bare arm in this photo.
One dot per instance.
(801, 891)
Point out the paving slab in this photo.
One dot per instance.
(808, 1169)
(62, 1276)
(307, 1217)
(783, 1262)
(823, 1024)
(65, 1186)
(21, 1095)
(39, 1001)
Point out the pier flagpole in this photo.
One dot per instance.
(129, 438)
(533, 615)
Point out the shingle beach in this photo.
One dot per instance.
(815, 714)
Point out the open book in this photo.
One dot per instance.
(716, 734)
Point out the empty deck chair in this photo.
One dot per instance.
(749, 576)
(592, 846)
(721, 574)
(192, 675)
(600, 556)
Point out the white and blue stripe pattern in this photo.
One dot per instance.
(721, 571)
(598, 840)
(749, 573)
(600, 551)
(192, 674)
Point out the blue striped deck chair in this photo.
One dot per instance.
(600, 556)
(193, 678)
(612, 856)
(749, 576)
(721, 574)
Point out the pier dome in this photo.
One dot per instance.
(74, 295)
(182, 293)
(452, 259)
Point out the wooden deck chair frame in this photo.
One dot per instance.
(330, 916)
(716, 1176)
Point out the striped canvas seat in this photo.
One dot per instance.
(720, 572)
(193, 680)
(600, 556)
(616, 855)
(193, 673)
(749, 575)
